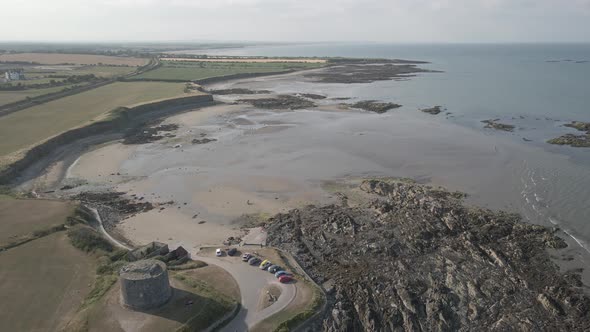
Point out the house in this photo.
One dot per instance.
(14, 75)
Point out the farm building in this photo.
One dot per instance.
(14, 75)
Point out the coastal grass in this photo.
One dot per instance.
(198, 70)
(27, 127)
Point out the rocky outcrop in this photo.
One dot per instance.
(280, 102)
(416, 259)
(349, 71)
(494, 124)
(238, 91)
(577, 141)
(374, 106)
(433, 110)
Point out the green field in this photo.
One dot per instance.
(194, 70)
(29, 126)
(7, 97)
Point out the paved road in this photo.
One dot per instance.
(251, 281)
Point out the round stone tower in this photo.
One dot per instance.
(144, 284)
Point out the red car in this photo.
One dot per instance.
(285, 279)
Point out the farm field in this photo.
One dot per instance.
(40, 214)
(29, 126)
(77, 59)
(198, 70)
(7, 97)
(42, 282)
(249, 60)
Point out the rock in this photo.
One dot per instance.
(145, 134)
(493, 124)
(417, 258)
(577, 141)
(364, 71)
(374, 106)
(433, 110)
(238, 91)
(579, 125)
(280, 102)
(312, 96)
(203, 140)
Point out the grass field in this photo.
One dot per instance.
(7, 97)
(78, 59)
(197, 70)
(20, 217)
(43, 281)
(26, 127)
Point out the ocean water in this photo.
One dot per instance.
(537, 88)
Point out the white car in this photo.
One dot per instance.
(218, 252)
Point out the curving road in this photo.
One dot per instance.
(251, 281)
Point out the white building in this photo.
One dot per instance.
(14, 75)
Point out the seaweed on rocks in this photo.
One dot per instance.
(147, 134)
(375, 106)
(113, 206)
(417, 259)
(365, 72)
(577, 141)
(432, 110)
(238, 91)
(280, 102)
(494, 124)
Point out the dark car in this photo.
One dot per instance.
(232, 251)
(274, 269)
(254, 261)
(285, 279)
(282, 273)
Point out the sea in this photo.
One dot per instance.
(535, 87)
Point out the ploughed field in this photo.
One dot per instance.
(192, 69)
(77, 59)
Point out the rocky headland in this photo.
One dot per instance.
(415, 258)
(365, 71)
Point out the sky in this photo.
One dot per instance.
(392, 21)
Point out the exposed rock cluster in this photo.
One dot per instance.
(143, 135)
(494, 124)
(573, 140)
(375, 106)
(364, 72)
(239, 91)
(280, 102)
(432, 110)
(417, 259)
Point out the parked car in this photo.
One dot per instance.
(285, 278)
(266, 265)
(254, 261)
(274, 268)
(264, 262)
(218, 252)
(246, 256)
(282, 273)
(232, 251)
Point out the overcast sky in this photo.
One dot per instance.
(297, 20)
